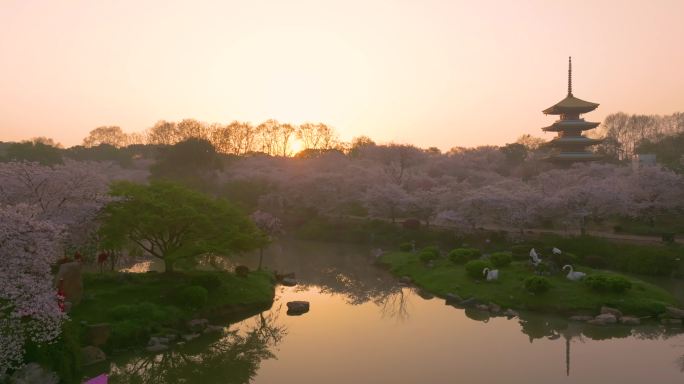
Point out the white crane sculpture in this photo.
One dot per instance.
(492, 274)
(556, 251)
(573, 275)
(536, 260)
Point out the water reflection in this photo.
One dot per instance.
(364, 327)
(234, 357)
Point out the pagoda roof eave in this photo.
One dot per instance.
(574, 156)
(576, 140)
(566, 125)
(570, 104)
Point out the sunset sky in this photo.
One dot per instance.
(432, 73)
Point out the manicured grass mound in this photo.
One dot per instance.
(607, 283)
(462, 255)
(563, 296)
(537, 284)
(429, 254)
(657, 260)
(140, 305)
(475, 268)
(500, 259)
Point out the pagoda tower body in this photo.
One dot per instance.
(571, 145)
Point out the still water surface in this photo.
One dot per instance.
(364, 328)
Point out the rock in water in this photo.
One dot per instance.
(581, 318)
(296, 308)
(33, 373)
(92, 355)
(70, 274)
(98, 334)
(288, 281)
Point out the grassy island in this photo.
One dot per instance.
(138, 306)
(442, 276)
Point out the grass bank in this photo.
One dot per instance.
(138, 306)
(564, 296)
(595, 252)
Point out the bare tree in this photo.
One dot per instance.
(111, 135)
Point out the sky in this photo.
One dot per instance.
(429, 72)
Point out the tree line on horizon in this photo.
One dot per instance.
(623, 137)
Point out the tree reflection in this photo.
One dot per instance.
(234, 358)
(393, 304)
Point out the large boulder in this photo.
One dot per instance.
(157, 348)
(33, 373)
(214, 329)
(630, 320)
(92, 355)
(191, 336)
(296, 308)
(675, 313)
(510, 313)
(288, 281)
(494, 308)
(671, 321)
(425, 295)
(198, 325)
(469, 302)
(613, 311)
(452, 299)
(69, 276)
(603, 319)
(98, 334)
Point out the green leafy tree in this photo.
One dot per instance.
(191, 162)
(174, 223)
(34, 152)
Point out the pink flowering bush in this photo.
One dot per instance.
(29, 309)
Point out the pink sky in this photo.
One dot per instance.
(430, 72)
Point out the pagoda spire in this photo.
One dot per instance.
(569, 75)
(570, 145)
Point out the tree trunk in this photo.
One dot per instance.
(261, 257)
(168, 266)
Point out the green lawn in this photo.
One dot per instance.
(140, 305)
(564, 297)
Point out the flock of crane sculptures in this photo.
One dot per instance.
(535, 260)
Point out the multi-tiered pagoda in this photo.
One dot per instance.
(570, 145)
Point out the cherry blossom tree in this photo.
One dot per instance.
(386, 200)
(69, 194)
(583, 192)
(29, 309)
(270, 225)
(655, 190)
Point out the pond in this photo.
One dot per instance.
(364, 327)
